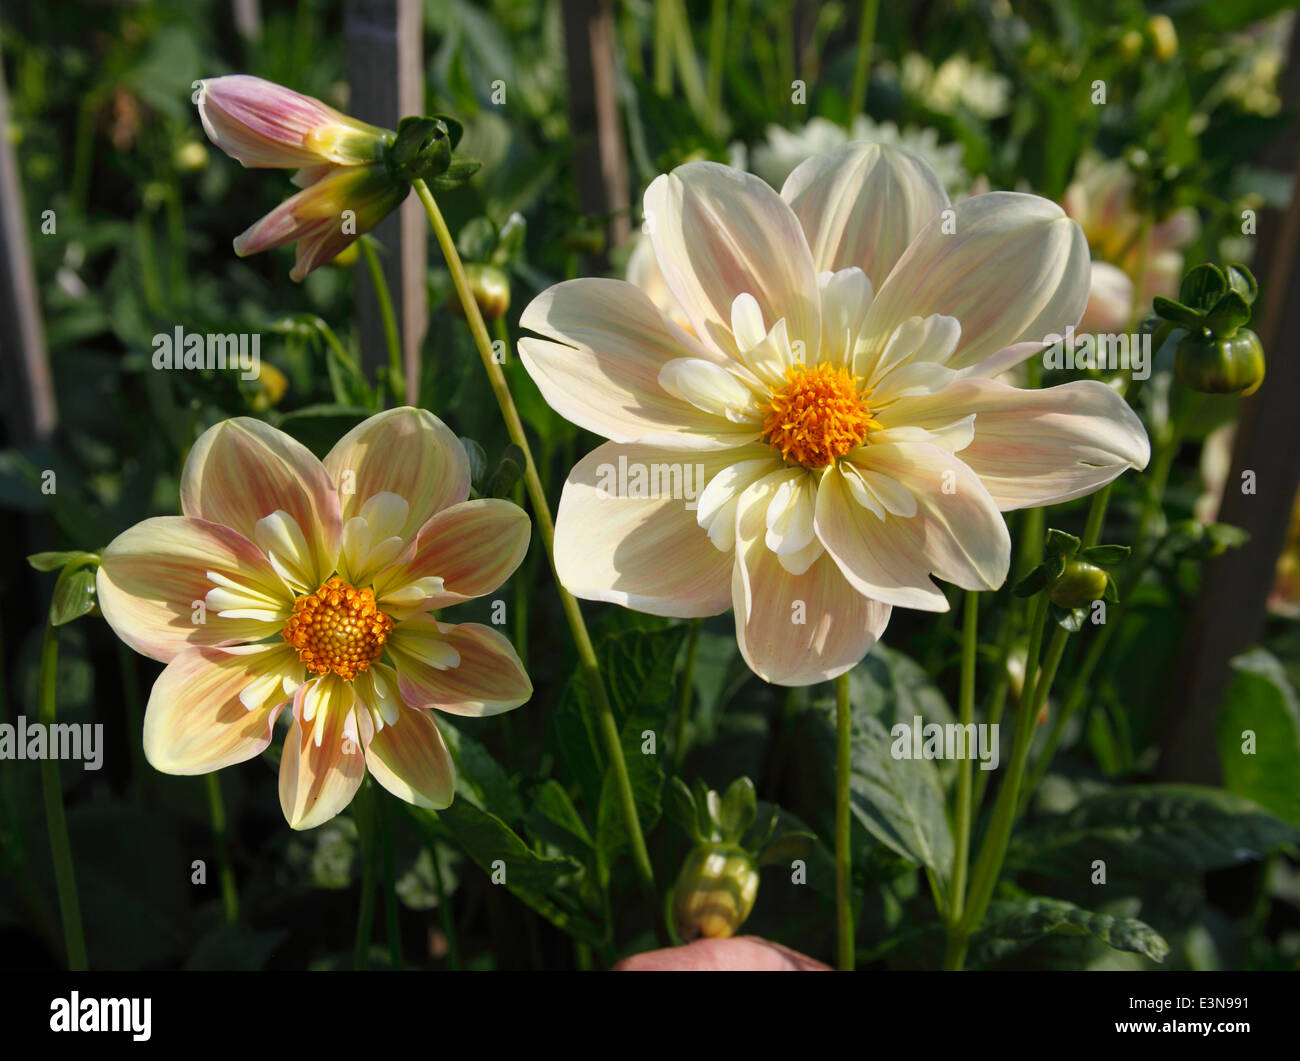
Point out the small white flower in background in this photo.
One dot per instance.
(835, 389)
(956, 81)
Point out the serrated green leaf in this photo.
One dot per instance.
(553, 818)
(1011, 925)
(480, 779)
(898, 800)
(1165, 831)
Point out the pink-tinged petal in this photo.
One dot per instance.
(473, 547)
(719, 233)
(242, 470)
(875, 561)
(1110, 301)
(643, 271)
(332, 211)
(1010, 267)
(324, 761)
(1041, 447)
(795, 629)
(263, 124)
(862, 204)
(958, 531)
(410, 759)
(407, 452)
(196, 721)
(487, 680)
(598, 366)
(621, 536)
(154, 577)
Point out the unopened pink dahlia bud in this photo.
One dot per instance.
(265, 125)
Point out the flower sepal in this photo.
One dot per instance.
(425, 150)
(1073, 577)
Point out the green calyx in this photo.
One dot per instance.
(425, 149)
(1072, 577)
(1218, 354)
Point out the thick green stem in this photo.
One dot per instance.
(965, 717)
(587, 660)
(363, 815)
(52, 789)
(684, 695)
(217, 811)
(862, 64)
(392, 338)
(843, 852)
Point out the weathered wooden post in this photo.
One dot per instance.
(599, 162)
(30, 413)
(385, 58)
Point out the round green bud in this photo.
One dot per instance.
(1226, 365)
(715, 891)
(1080, 584)
(491, 287)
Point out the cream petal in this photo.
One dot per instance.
(421, 641)
(407, 452)
(716, 511)
(598, 364)
(718, 233)
(876, 562)
(1040, 447)
(789, 517)
(411, 760)
(625, 511)
(153, 576)
(1011, 267)
(712, 389)
(241, 470)
(795, 629)
(487, 680)
(196, 720)
(846, 297)
(323, 762)
(862, 204)
(282, 539)
(918, 343)
(473, 547)
(958, 532)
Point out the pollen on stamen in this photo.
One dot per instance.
(817, 415)
(338, 629)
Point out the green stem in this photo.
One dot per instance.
(965, 717)
(588, 663)
(217, 811)
(392, 338)
(390, 885)
(444, 909)
(862, 64)
(993, 849)
(52, 789)
(663, 47)
(363, 816)
(684, 695)
(843, 854)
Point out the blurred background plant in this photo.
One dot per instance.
(1192, 111)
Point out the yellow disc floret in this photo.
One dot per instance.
(338, 628)
(818, 414)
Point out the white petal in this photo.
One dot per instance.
(846, 297)
(716, 511)
(711, 388)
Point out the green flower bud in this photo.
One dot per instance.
(1224, 365)
(1079, 585)
(491, 287)
(715, 891)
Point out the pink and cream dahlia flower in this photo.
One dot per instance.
(832, 392)
(289, 582)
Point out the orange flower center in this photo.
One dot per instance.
(337, 628)
(817, 415)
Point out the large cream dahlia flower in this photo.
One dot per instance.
(289, 580)
(833, 392)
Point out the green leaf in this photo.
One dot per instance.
(898, 801)
(74, 595)
(1177, 312)
(1012, 925)
(553, 818)
(1105, 554)
(477, 459)
(1165, 831)
(739, 808)
(460, 170)
(786, 848)
(1059, 543)
(1034, 582)
(1259, 735)
(679, 806)
(509, 470)
(1229, 313)
(544, 884)
(480, 779)
(55, 561)
(1242, 281)
(1202, 286)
